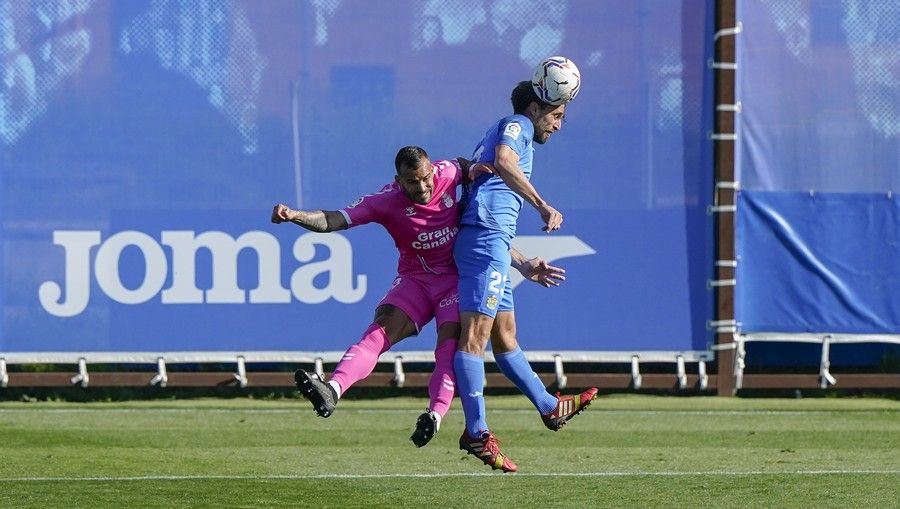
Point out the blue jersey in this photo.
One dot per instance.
(489, 202)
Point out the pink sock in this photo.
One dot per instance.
(359, 360)
(443, 379)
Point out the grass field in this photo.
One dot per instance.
(626, 451)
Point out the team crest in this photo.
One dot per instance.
(410, 211)
(512, 130)
(448, 200)
(492, 302)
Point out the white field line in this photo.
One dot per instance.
(708, 473)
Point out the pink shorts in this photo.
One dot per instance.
(425, 296)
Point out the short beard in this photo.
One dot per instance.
(414, 200)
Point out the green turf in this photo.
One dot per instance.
(626, 451)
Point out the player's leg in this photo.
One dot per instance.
(442, 385)
(481, 256)
(445, 306)
(397, 316)
(555, 410)
(512, 363)
(446, 316)
(391, 324)
(476, 439)
(468, 363)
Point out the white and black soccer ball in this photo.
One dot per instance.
(556, 80)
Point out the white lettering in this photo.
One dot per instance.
(340, 280)
(438, 238)
(77, 246)
(224, 249)
(449, 301)
(435, 234)
(106, 267)
(342, 284)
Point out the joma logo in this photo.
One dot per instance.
(342, 285)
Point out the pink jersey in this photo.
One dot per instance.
(424, 234)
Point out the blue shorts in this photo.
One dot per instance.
(482, 257)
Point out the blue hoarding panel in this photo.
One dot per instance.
(143, 145)
(820, 262)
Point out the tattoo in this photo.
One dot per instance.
(313, 221)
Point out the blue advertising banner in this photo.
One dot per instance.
(819, 164)
(143, 145)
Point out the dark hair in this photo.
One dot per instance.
(523, 95)
(409, 157)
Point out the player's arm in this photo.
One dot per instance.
(319, 221)
(471, 171)
(537, 269)
(506, 165)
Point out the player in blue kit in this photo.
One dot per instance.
(488, 225)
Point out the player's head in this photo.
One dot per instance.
(546, 117)
(415, 175)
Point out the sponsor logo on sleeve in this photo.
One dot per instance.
(512, 130)
(356, 202)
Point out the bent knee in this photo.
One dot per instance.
(396, 324)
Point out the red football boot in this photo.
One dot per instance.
(568, 407)
(487, 449)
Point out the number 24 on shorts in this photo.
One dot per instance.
(498, 281)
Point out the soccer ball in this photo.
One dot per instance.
(556, 80)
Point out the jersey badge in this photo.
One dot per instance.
(447, 200)
(491, 302)
(410, 211)
(512, 130)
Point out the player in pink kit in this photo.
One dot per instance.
(419, 210)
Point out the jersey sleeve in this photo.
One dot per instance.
(514, 133)
(366, 209)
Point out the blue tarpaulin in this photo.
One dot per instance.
(818, 161)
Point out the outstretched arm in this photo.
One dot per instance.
(506, 164)
(319, 221)
(537, 269)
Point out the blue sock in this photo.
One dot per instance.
(515, 366)
(470, 383)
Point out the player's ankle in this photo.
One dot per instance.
(437, 420)
(335, 388)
